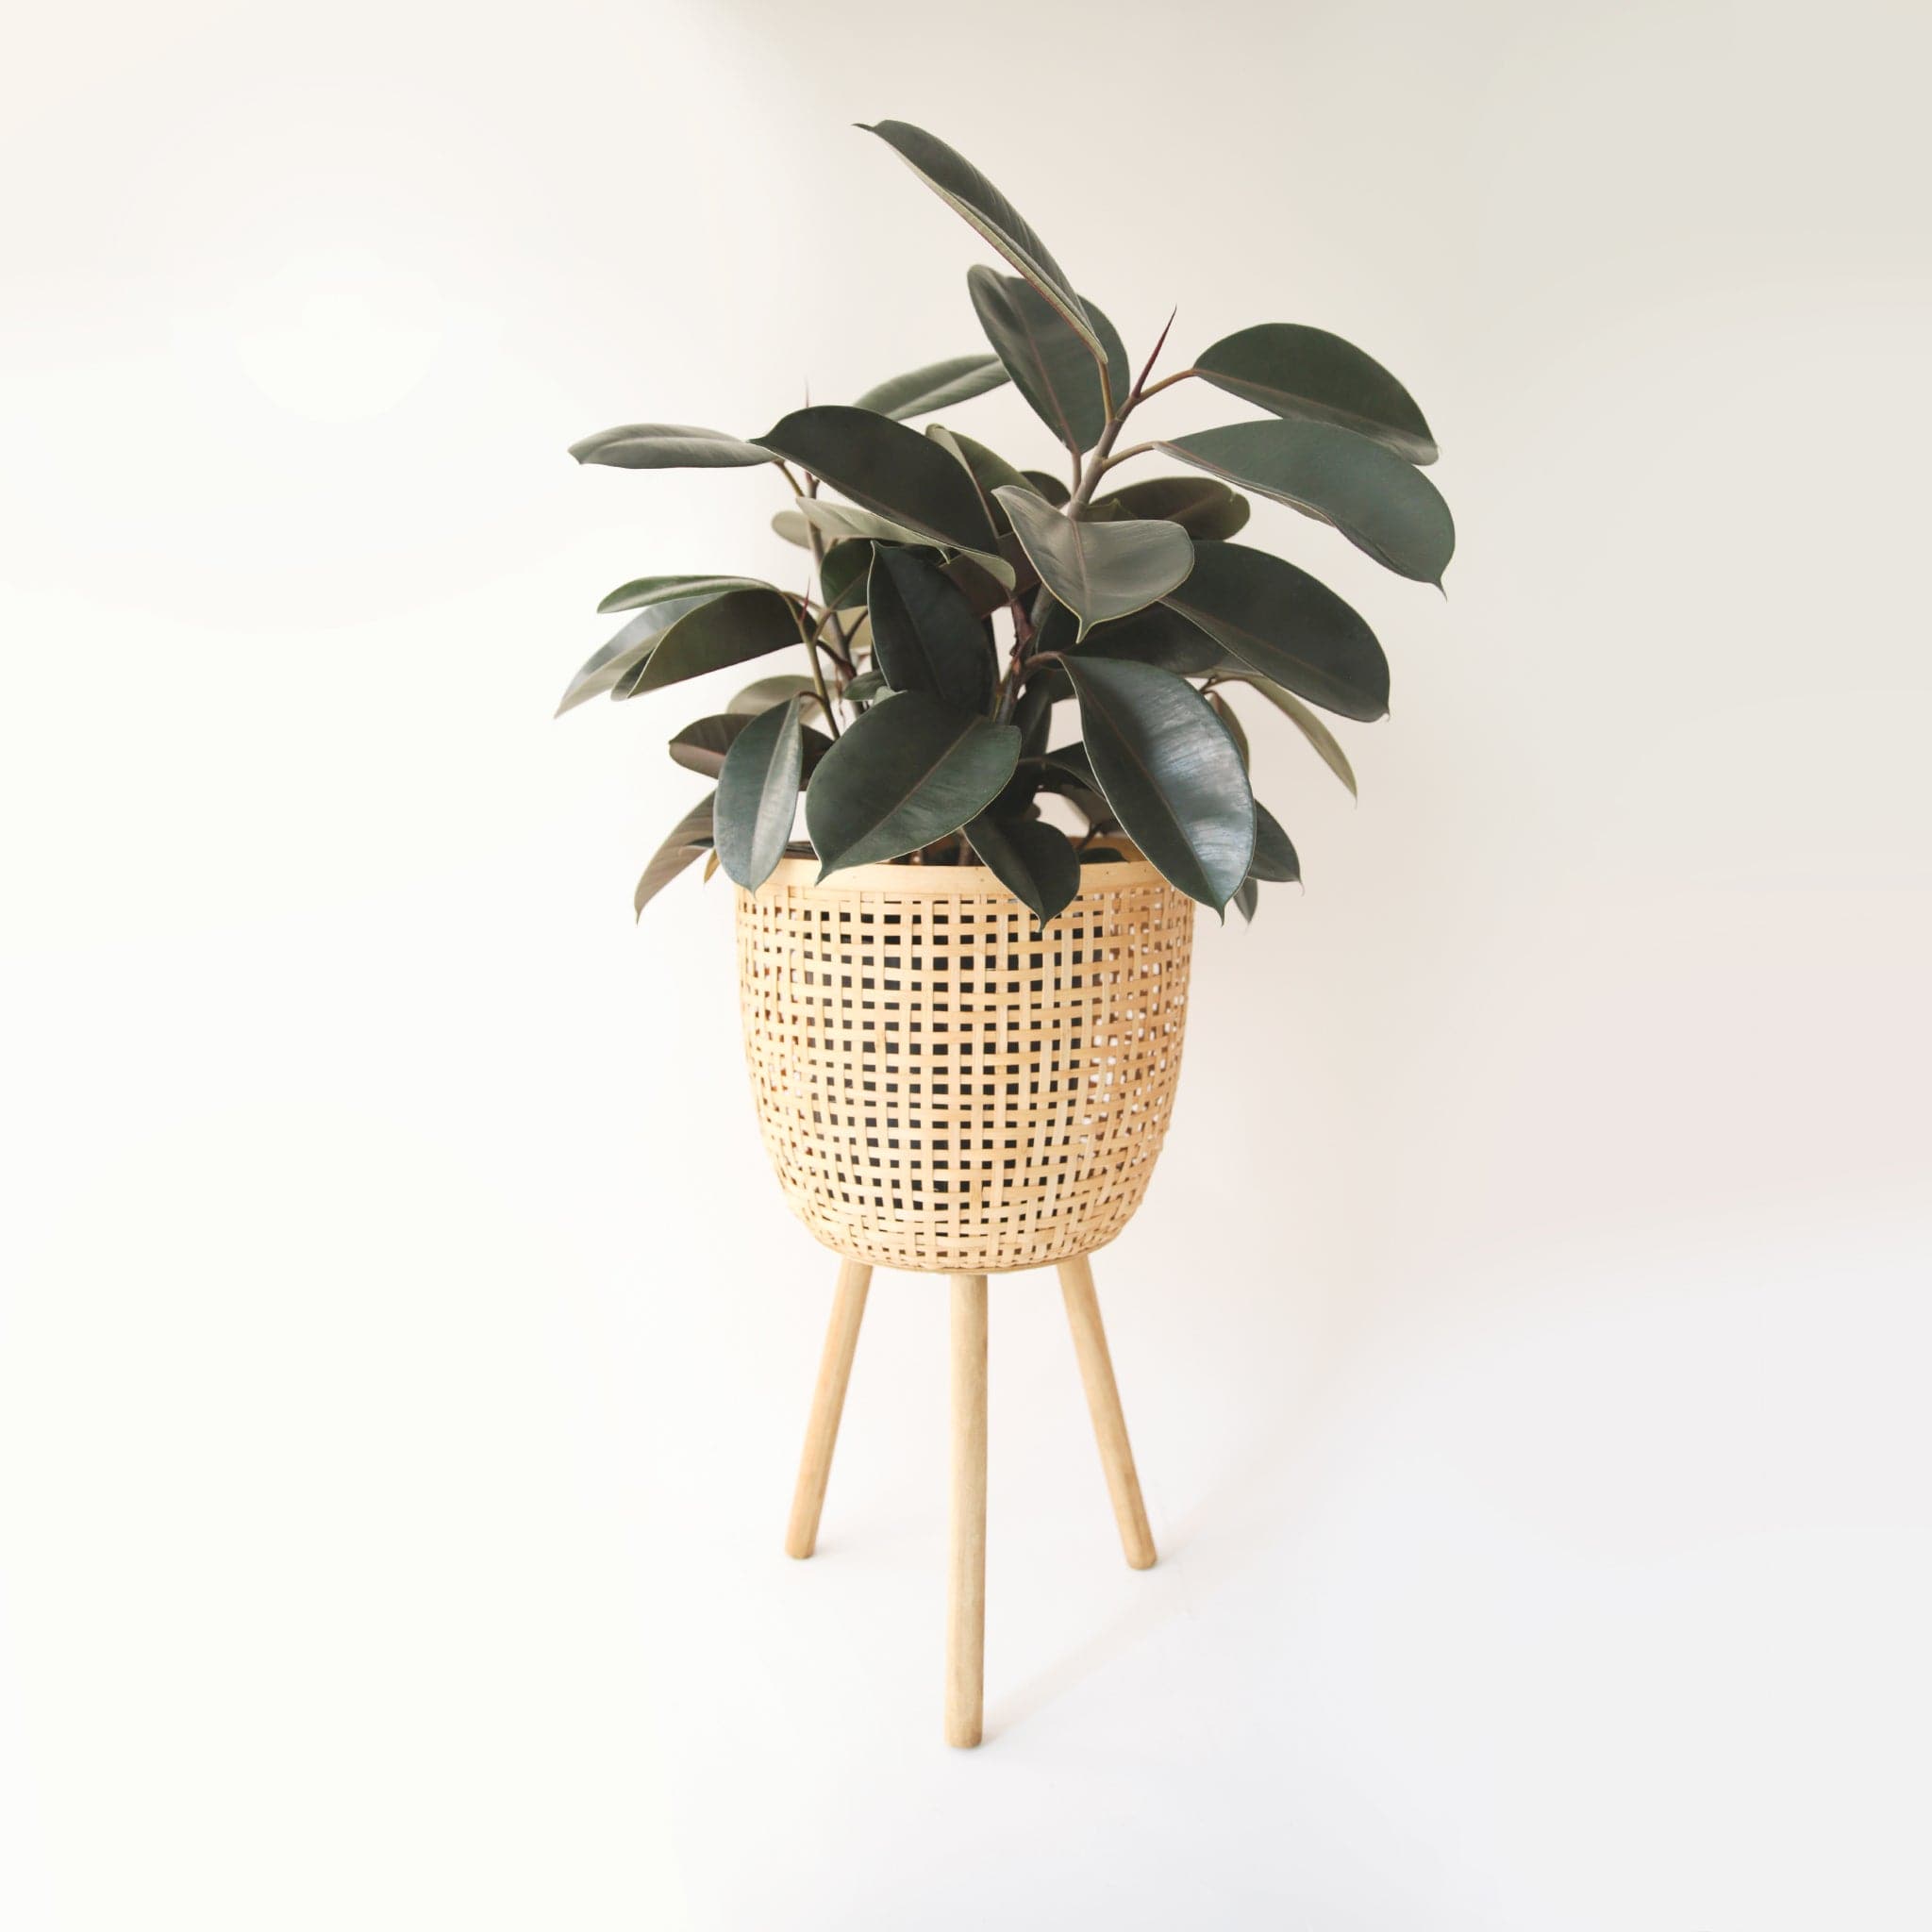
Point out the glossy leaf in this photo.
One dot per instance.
(1171, 774)
(1226, 712)
(987, 594)
(1247, 899)
(1050, 362)
(840, 520)
(641, 591)
(887, 468)
(908, 770)
(1035, 861)
(702, 745)
(963, 187)
(1099, 571)
(1280, 621)
(1205, 508)
(1274, 854)
(688, 837)
(842, 577)
(1070, 761)
(791, 526)
(938, 385)
(730, 629)
(608, 667)
(767, 691)
(869, 685)
(1033, 715)
(1048, 484)
(1378, 501)
(925, 634)
(987, 467)
(1157, 635)
(758, 795)
(667, 446)
(1297, 371)
(1307, 724)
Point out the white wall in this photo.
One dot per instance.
(403, 1347)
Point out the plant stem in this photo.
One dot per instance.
(818, 671)
(1099, 459)
(812, 647)
(1154, 389)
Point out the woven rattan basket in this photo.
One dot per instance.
(940, 1088)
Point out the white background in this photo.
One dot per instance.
(404, 1346)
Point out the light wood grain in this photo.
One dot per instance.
(827, 1405)
(966, 1567)
(942, 1087)
(1104, 1404)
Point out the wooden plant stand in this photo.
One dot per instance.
(945, 1086)
(966, 1560)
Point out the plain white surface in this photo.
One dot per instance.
(404, 1350)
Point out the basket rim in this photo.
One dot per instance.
(940, 881)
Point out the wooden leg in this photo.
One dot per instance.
(827, 1403)
(1103, 1401)
(966, 1570)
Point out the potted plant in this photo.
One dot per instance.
(963, 990)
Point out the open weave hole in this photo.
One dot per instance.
(940, 1090)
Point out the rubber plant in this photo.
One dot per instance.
(956, 601)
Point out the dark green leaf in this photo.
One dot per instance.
(1274, 856)
(925, 636)
(907, 772)
(840, 520)
(868, 685)
(1033, 715)
(1225, 711)
(768, 691)
(690, 836)
(842, 577)
(1070, 761)
(1306, 721)
(1169, 772)
(887, 468)
(1203, 508)
(1247, 899)
(1297, 371)
(1035, 861)
(1157, 636)
(641, 591)
(986, 592)
(667, 446)
(959, 183)
(1378, 501)
(1287, 626)
(729, 629)
(758, 795)
(935, 387)
(702, 744)
(1049, 362)
(1103, 854)
(1098, 570)
(1048, 484)
(618, 658)
(987, 467)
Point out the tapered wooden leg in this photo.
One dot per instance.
(1103, 1401)
(966, 1569)
(827, 1403)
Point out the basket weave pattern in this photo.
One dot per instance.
(939, 1088)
